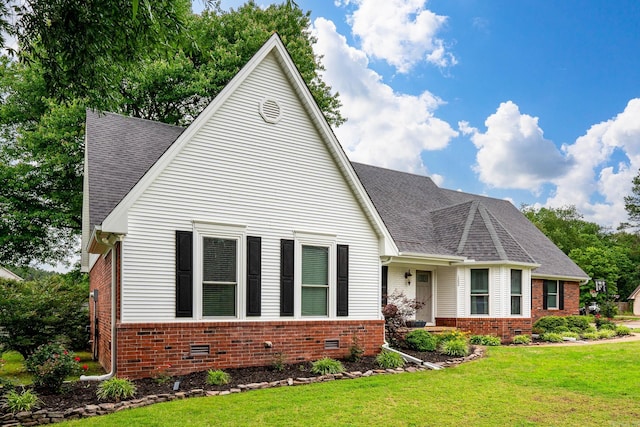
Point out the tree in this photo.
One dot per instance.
(33, 313)
(149, 59)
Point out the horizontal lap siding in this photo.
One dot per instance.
(446, 291)
(240, 170)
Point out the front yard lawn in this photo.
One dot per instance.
(573, 385)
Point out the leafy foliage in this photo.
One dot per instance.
(421, 340)
(25, 400)
(217, 377)
(489, 340)
(551, 337)
(455, 347)
(522, 339)
(326, 365)
(50, 365)
(355, 350)
(561, 324)
(39, 312)
(116, 389)
(398, 310)
(622, 330)
(389, 360)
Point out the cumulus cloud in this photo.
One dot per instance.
(513, 152)
(401, 32)
(384, 128)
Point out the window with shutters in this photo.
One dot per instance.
(551, 294)
(315, 281)
(220, 271)
(480, 291)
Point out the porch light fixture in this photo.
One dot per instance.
(407, 276)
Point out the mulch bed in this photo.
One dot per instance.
(79, 394)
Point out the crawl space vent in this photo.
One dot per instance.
(199, 349)
(331, 344)
(270, 110)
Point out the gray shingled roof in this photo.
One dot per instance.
(424, 218)
(421, 217)
(120, 151)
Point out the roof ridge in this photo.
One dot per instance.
(492, 231)
(467, 226)
(150, 121)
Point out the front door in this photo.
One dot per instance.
(424, 294)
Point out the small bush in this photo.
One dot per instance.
(327, 365)
(421, 340)
(24, 401)
(522, 339)
(591, 329)
(623, 330)
(389, 360)
(570, 335)
(116, 389)
(455, 347)
(606, 333)
(49, 365)
(590, 336)
(355, 351)
(452, 335)
(603, 323)
(549, 324)
(278, 362)
(610, 326)
(551, 337)
(577, 322)
(489, 340)
(161, 374)
(217, 377)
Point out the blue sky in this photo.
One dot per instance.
(537, 102)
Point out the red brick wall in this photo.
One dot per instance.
(100, 279)
(505, 328)
(571, 300)
(143, 347)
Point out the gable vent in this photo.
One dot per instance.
(331, 344)
(270, 110)
(199, 349)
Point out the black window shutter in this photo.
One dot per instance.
(545, 285)
(254, 268)
(184, 274)
(343, 280)
(385, 286)
(286, 277)
(560, 295)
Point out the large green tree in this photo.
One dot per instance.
(149, 59)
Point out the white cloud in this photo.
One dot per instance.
(401, 32)
(513, 152)
(384, 128)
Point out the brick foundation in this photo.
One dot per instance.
(144, 347)
(571, 300)
(505, 328)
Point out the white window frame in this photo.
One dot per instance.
(321, 240)
(488, 294)
(556, 293)
(221, 231)
(520, 295)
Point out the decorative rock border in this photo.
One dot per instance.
(44, 416)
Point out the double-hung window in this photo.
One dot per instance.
(516, 292)
(551, 297)
(315, 281)
(219, 277)
(480, 291)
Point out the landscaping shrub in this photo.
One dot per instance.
(398, 310)
(569, 334)
(551, 337)
(609, 309)
(49, 365)
(577, 322)
(606, 333)
(455, 347)
(217, 377)
(326, 365)
(355, 351)
(421, 340)
(604, 323)
(489, 340)
(278, 362)
(116, 389)
(623, 330)
(23, 401)
(609, 325)
(549, 324)
(389, 360)
(590, 336)
(591, 329)
(452, 335)
(522, 339)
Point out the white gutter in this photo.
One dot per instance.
(114, 282)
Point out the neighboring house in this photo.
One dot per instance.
(6, 274)
(249, 236)
(635, 300)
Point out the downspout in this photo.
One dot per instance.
(114, 284)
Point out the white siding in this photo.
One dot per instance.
(238, 169)
(446, 287)
(397, 283)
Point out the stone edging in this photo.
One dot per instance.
(44, 416)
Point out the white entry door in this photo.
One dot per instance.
(424, 293)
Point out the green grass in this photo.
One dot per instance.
(513, 386)
(15, 371)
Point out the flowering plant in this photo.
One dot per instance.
(161, 374)
(50, 365)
